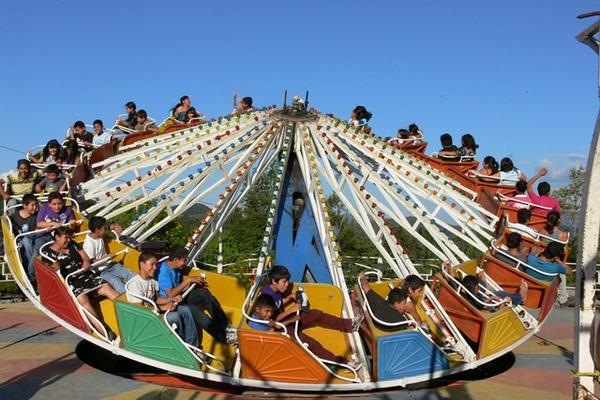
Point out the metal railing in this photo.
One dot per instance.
(5, 275)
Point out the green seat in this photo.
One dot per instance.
(145, 333)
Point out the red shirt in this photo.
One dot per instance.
(544, 201)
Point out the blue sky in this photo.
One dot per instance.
(510, 72)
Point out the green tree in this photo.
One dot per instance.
(569, 197)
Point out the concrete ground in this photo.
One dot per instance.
(40, 360)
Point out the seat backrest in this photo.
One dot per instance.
(464, 315)
(54, 295)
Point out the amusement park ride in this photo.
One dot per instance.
(310, 155)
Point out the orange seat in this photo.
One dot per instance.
(137, 137)
(540, 294)
(490, 331)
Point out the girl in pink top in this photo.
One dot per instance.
(542, 199)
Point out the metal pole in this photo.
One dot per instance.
(220, 254)
(589, 220)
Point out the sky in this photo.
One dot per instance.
(510, 72)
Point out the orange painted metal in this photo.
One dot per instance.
(537, 221)
(466, 317)
(137, 136)
(411, 147)
(540, 294)
(271, 356)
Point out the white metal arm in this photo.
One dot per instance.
(461, 287)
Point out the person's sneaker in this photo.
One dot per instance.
(231, 335)
(202, 356)
(111, 336)
(570, 302)
(356, 321)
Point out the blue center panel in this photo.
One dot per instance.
(297, 242)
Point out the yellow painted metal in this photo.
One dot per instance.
(84, 222)
(10, 251)
(468, 267)
(329, 299)
(108, 315)
(383, 288)
(227, 289)
(502, 329)
(129, 260)
(436, 332)
(230, 293)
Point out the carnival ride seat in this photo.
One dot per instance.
(144, 332)
(536, 242)
(401, 350)
(540, 294)
(294, 362)
(410, 145)
(459, 164)
(54, 295)
(12, 255)
(147, 332)
(537, 221)
(230, 293)
(137, 136)
(488, 331)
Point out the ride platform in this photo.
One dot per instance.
(41, 360)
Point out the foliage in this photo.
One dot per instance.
(174, 233)
(570, 197)
(9, 288)
(243, 232)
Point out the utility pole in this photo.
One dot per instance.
(587, 253)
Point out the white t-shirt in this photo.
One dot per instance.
(147, 288)
(510, 178)
(102, 138)
(94, 248)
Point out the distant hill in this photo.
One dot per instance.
(191, 218)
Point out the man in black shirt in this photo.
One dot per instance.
(83, 137)
(390, 311)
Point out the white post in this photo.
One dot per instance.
(589, 222)
(220, 254)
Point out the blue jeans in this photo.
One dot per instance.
(31, 248)
(186, 328)
(117, 275)
(515, 298)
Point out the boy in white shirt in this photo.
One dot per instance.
(93, 245)
(101, 137)
(144, 285)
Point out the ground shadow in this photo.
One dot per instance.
(27, 384)
(110, 363)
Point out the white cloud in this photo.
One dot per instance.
(558, 166)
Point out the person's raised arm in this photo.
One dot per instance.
(284, 314)
(541, 172)
(63, 187)
(363, 282)
(3, 193)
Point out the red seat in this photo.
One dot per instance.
(55, 296)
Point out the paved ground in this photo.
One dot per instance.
(39, 360)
